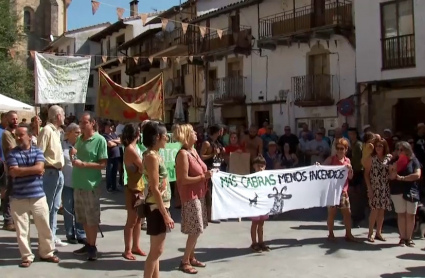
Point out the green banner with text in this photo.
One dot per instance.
(168, 154)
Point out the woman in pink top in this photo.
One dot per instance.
(344, 205)
(192, 176)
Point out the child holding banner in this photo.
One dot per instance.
(257, 225)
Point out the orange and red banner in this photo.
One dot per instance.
(130, 104)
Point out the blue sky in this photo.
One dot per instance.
(80, 13)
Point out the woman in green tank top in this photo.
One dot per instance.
(157, 194)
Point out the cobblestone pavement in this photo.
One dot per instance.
(298, 241)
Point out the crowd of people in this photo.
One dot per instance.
(46, 167)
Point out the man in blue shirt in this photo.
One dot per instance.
(27, 197)
(114, 156)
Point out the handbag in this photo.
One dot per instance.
(411, 195)
(140, 208)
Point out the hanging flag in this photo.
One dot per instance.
(150, 60)
(220, 33)
(202, 29)
(164, 22)
(178, 60)
(136, 60)
(104, 58)
(165, 59)
(32, 54)
(184, 27)
(144, 17)
(68, 2)
(191, 58)
(120, 59)
(12, 53)
(120, 12)
(94, 6)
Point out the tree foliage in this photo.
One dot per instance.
(16, 81)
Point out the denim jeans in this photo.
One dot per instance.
(53, 185)
(72, 228)
(111, 173)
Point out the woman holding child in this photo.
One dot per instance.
(378, 189)
(192, 177)
(344, 206)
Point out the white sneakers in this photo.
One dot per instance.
(59, 243)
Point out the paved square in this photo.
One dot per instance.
(298, 240)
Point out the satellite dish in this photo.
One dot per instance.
(51, 37)
(170, 26)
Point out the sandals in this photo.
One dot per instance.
(25, 264)
(380, 237)
(331, 238)
(129, 256)
(264, 247)
(351, 239)
(52, 259)
(256, 248)
(187, 268)
(371, 238)
(409, 243)
(139, 252)
(194, 262)
(402, 243)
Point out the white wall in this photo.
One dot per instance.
(368, 42)
(266, 78)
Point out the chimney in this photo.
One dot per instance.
(134, 9)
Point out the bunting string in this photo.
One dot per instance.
(144, 16)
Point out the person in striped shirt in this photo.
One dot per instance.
(27, 197)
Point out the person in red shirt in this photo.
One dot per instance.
(234, 144)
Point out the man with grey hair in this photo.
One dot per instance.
(49, 142)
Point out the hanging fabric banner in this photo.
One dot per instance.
(130, 104)
(277, 191)
(94, 6)
(61, 79)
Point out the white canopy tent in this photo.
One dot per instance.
(7, 104)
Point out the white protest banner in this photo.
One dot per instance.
(277, 191)
(61, 79)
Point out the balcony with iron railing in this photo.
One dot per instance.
(398, 52)
(230, 90)
(337, 13)
(143, 63)
(171, 43)
(212, 42)
(314, 90)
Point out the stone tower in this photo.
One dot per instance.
(39, 19)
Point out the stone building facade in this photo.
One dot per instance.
(39, 19)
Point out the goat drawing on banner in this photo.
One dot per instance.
(279, 199)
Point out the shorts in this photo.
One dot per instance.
(87, 206)
(403, 206)
(155, 222)
(344, 201)
(260, 218)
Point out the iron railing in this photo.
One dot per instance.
(169, 39)
(212, 41)
(335, 13)
(398, 52)
(314, 88)
(230, 88)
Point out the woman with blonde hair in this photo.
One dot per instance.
(133, 191)
(192, 177)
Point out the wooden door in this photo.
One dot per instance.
(407, 113)
(318, 79)
(318, 13)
